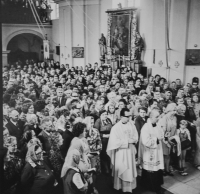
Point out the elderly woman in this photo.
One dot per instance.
(104, 125)
(168, 124)
(37, 177)
(12, 165)
(32, 124)
(73, 178)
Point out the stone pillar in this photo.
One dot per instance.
(5, 58)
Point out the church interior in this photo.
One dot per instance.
(151, 37)
(169, 32)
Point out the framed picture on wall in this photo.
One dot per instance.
(77, 52)
(192, 57)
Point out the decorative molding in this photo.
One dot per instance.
(77, 2)
(25, 25)
(123, 9)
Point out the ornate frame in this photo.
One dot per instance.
(132, 12)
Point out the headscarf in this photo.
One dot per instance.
(10, 140)
(31, 157)
(34, 141)
(72, 159)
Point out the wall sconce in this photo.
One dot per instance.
(160, 63)
(177, 64)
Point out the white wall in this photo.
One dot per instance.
(184, 30)
(81, 23)
(55, 41)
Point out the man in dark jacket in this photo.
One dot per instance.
(60, 99)
(67, 138)
(46, 125)
(141, 119)
(14, 126)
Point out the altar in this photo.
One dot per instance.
(124, 43)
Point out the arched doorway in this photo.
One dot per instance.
(25, 46)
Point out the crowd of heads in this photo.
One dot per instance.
(56, 97)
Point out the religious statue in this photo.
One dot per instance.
(102, 45)
(139, 45)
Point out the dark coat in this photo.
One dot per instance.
(43, 137)
(139, 122)
(67, 138)
(16, 131)
(63, 101)
(38, 180)
(37, 130)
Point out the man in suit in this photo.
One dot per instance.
(61, 100)
(46, 125)
(14, 127)
(141, 119)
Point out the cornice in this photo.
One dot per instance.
(25, 25)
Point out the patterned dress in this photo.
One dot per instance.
(95, 145)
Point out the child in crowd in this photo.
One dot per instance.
(185, 139)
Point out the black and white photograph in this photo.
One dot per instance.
(100, 97)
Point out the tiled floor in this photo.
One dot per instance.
(184, 184)
(172, 185)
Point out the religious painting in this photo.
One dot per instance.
(123, 39)
(192, 57)
(120, 34)
(78, 52)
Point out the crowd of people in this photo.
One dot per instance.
(64, 127)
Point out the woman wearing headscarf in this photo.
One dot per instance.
(13, 165)
(168, 124)
(73, 178)
(37, 177)
(29, 138)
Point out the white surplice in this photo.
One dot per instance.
(150, 154)
(122, 155)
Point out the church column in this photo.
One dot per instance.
(5, 58)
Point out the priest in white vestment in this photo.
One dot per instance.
(150, 154)
(121, 150)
